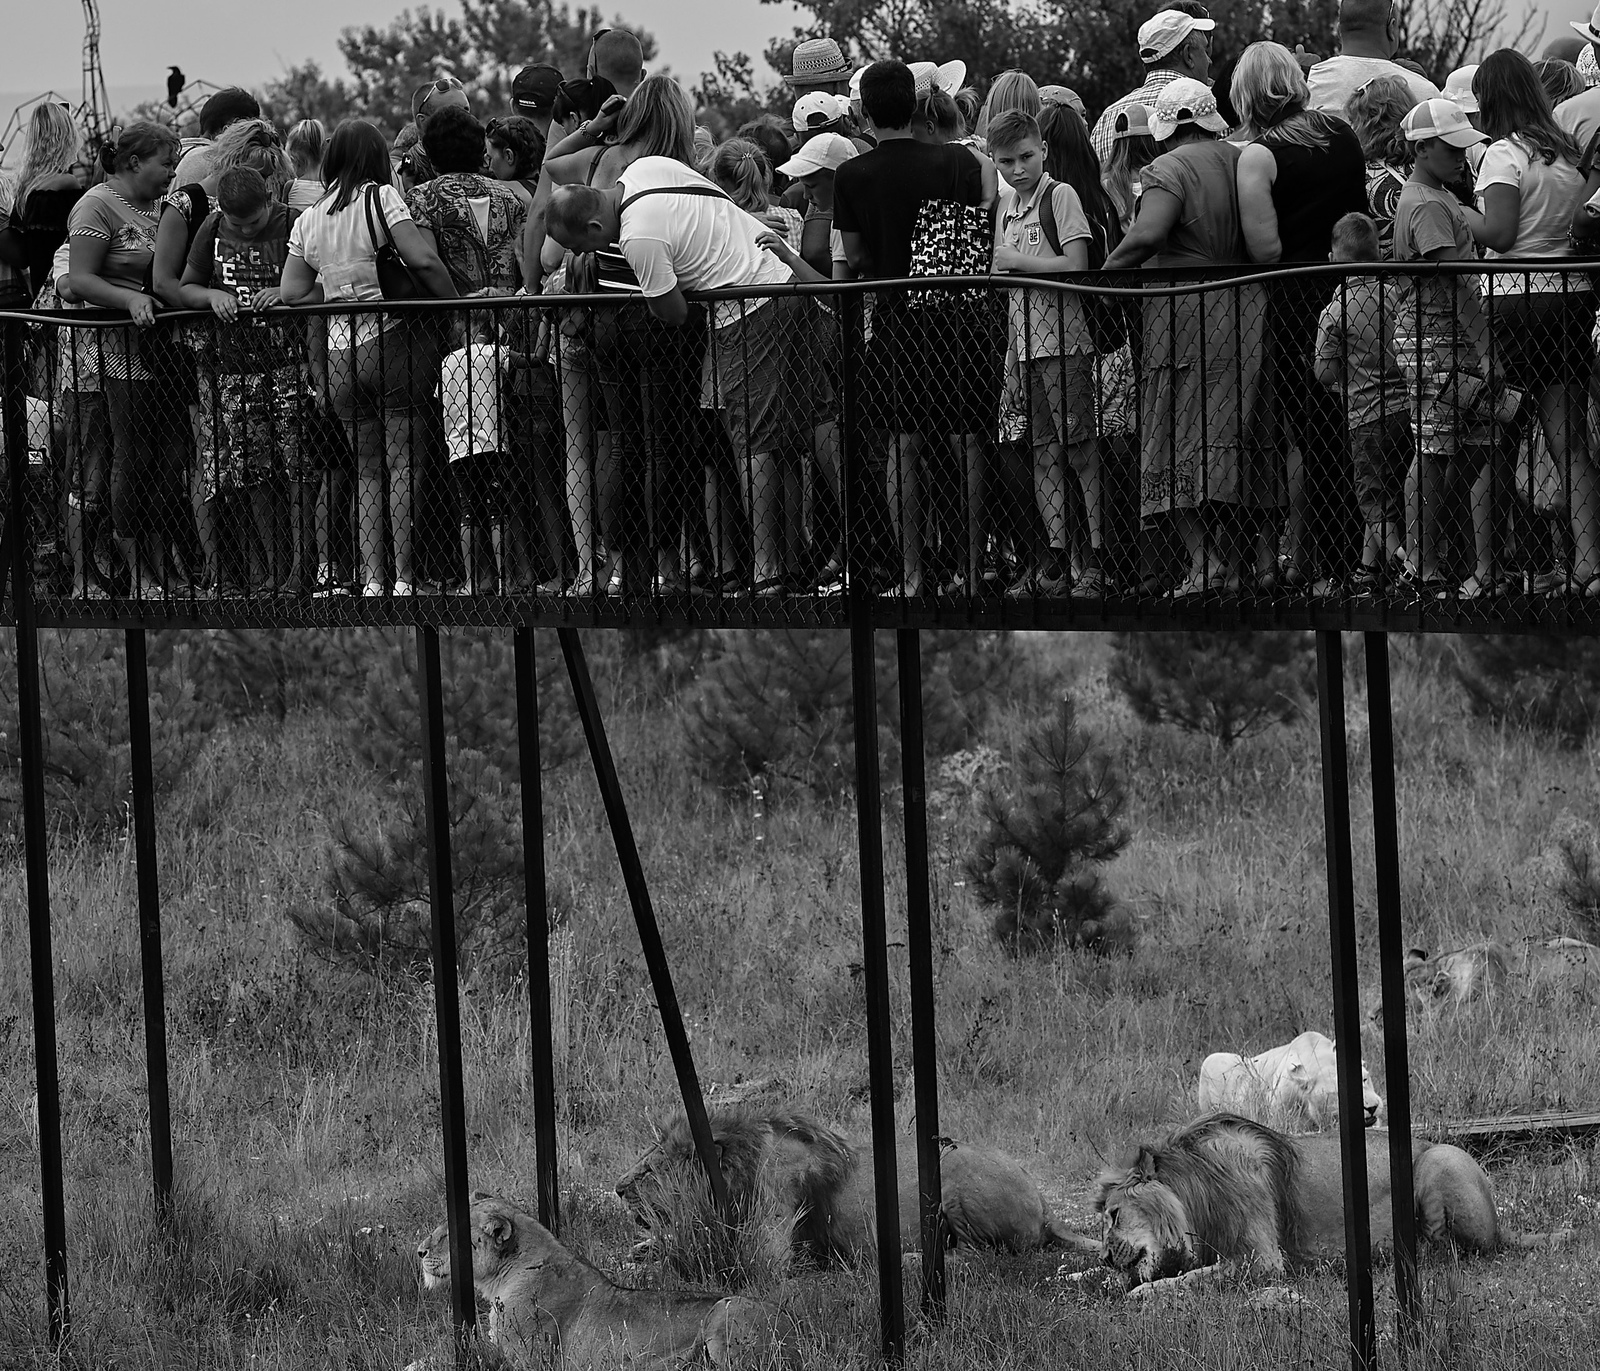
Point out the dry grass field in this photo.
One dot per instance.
(306, 1098)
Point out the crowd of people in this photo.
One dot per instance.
(1314, 433)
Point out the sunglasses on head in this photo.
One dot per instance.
(438, 87)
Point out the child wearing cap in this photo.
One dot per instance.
(1132, 150)
(1049, 349)
(1355, 359)
(1442, 337)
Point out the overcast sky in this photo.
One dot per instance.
(248, 44)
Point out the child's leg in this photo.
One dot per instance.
(1072, 406)
(262, 530)
(1047, 429)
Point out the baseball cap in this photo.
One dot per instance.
(1441, 118)
(535, 88)
(825, 152)
(1132, 121)
(1064, 95)
(1186, 101)
(1458, 87)
(817, 109)
(1162, 33)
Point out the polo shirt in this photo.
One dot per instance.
(1043, 323)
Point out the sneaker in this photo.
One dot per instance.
(404, 588)
(373, 590)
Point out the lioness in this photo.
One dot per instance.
(1225, 1189)
(1283, 1085)
(543, 1300)
(826, 1182)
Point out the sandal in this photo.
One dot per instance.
(1425, 587)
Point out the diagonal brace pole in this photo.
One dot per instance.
(644, 914)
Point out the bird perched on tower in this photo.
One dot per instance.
(175, 84)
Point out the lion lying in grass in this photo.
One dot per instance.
(546, 1303)
(824, 1184)
(1224, 1189)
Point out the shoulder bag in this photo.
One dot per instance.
(396, 281)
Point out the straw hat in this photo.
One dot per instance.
(817, 62)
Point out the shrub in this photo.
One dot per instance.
(776, 706)
(1535, 681)
(376, 913)
(83, 684)
(1226, 685)
(1048, 832)
(269, 671)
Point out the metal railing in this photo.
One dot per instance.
(1189, 449)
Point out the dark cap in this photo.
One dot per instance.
(535, 87)
(227, 107)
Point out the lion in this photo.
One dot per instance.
(1225, 1189)
(1299, 1080)
(826, 1183)
(543, 1300)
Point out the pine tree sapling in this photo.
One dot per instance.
(777, 705)
(88, 771)
(1046, 836)
(1225, 686)
(1536, 681)
(376, 913)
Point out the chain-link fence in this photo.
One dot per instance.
(1382, 448)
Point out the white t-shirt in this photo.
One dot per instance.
(1549, 195)
(1580, 116)
(469, 395)
(696, 242)
(1335, 80)
(303, 193)
(340, 248)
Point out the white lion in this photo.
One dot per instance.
(1287, 1086)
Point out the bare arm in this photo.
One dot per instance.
(778, 246)
(1502, 207)
(1583, 221)
(418, 253)
(87, 285)
(855, 252)
(1158, 216)
(1258, 170)
(167, 270)
(300, 285)
(670, 308)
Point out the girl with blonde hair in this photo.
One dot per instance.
(46, 191)
(304, 146)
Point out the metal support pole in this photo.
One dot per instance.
(447, 1006)
(541, 1047)
(1391, 952)
(150, 966)
(30, 726)
(1346, 1000)
(644, 914)
(919, 948)
(875, 964)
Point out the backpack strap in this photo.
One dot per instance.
(711, 192)
(1047, 216)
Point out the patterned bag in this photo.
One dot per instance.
(951, 239)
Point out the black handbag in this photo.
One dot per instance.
(396, 280)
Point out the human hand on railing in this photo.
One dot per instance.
(489, 290)
(142, 308)
(1010, 259)
(263, 299)
(224, 304)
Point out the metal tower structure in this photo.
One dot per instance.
(94, 110)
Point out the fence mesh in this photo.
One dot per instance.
(1320, 446)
